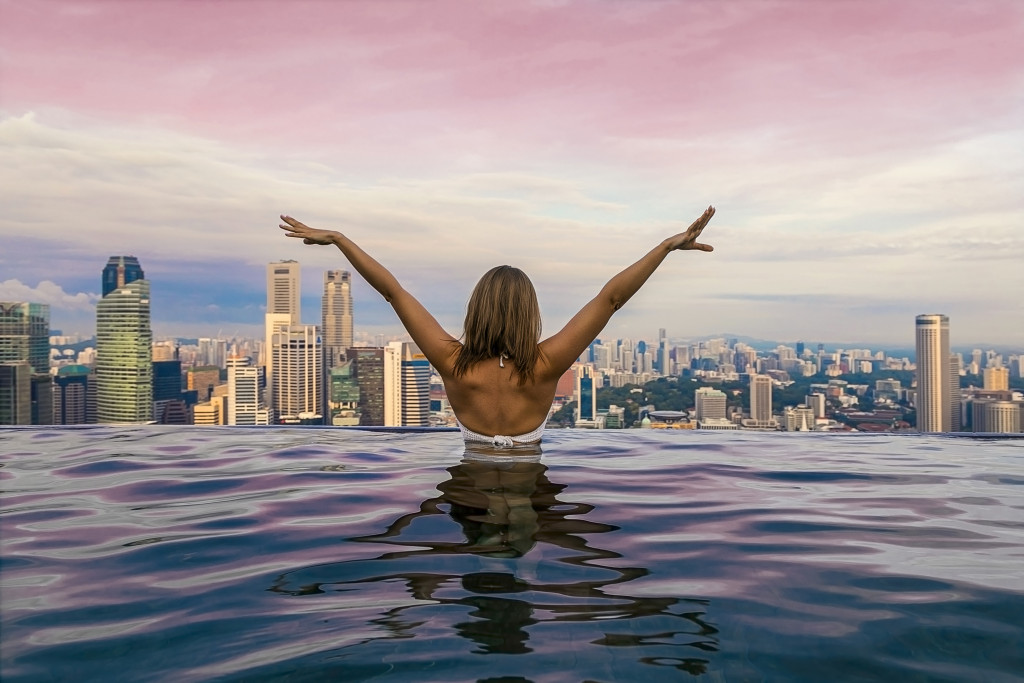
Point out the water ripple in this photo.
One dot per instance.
(311, 554)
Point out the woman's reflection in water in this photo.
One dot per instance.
(505, 506)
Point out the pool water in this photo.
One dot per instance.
(201, 553)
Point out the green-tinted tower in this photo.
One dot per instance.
(124, 355)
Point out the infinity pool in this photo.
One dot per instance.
(201, 553)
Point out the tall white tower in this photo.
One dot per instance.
(934, 397)
(283, 280)
(298, 379)
(283, 284)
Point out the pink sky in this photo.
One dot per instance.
(852, 125)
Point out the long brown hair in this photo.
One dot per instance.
(502, 319)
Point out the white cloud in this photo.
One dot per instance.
(47, 292)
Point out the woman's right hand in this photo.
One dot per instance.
(307, 234)
(688, 239)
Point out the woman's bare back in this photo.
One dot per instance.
(489, 400)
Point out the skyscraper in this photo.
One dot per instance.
(369, 371)
(585, 395)
(298, 380)
(283, 280)
(996, 378)
(761, 401)
(406, 386)
(246, 404)
(124, 350)
(27, 396)
(710, 404)
(336, 314)
(74, 396)
(934, 398)
(121, 271)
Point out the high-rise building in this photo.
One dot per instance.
(25, 345)
(336, 314)
(283, 287)
(406, 386)
(955, 363)
(816, 402)
(169, 406)
(995, 416)
(996, 378)
(709, 404)
(935, 400)
(121, 271)
(369, 371)
(74, 396)
(298, 379)
(16, 393)
(246, 405)
(202, 380)
(343, 395)
(585, 395)
(761, 400)
(124, 352)
(213, 352)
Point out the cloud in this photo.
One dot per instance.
(50, 293)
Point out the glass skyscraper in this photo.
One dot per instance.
(123, 270)
(25, 354)
(124, 350)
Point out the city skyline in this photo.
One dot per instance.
(860, 156)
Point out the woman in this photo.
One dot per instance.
(501, 378)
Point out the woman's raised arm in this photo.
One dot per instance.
(436, 344)
(562, 349)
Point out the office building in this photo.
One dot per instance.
(761, 402)
(124, 352)
(212, 412)
(283, 290)
(709, 404)
(246, 393)
(336, 316)
(816, 402)
(27, 396)
(799, 419)
(406, 386)
(74, 396)
(343, 395)
(121, 271)
(369, 372)
(585, 397)
(996, 378)
(996, 417)
(202, 380)
(213, 352)
(169, 405)
(935, 400)
(15, 393)
(298, 379)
